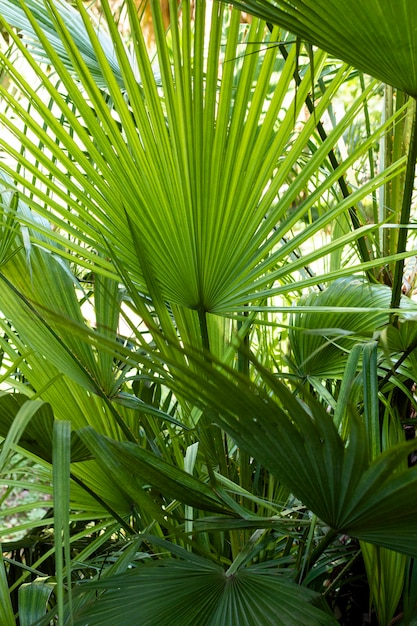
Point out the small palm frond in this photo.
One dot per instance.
(21, 15)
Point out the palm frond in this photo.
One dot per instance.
(230, 210)
(322, 338)
(300, 445)
(375, 36)
(16, 13)
(200, 592)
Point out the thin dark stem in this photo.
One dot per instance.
(405, 214)
(394, 368)
(202, 318)
(321, 547)
(363, 249)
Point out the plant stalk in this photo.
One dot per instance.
(202, 318)
(405, 214)
(362, 246)
(321, 547)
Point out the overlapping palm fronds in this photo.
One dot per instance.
(375, 36)
(148, 218)
(364, 35)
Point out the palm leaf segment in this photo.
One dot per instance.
(13, 12)
(377, 36)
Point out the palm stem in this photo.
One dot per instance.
(353, 214)
(202, 318)
(321, 547)
(405, 212)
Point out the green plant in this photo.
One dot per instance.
(373, 50)
(134, 329)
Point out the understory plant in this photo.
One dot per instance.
(203, 382)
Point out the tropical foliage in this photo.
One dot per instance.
(205, 386)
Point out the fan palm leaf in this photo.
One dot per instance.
(221, 165)
(321, 344)
(200, 592)
(301, 446)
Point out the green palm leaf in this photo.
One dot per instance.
(15, 12)
(326, 325)
(375, 36)
(199, 592)
(221, 166)
(300, 445)
(33, 601)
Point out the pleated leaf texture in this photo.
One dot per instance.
(378, 37)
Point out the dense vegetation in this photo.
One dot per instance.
(207, 335)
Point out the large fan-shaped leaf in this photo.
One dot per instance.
(300, 445)
(183, 186)
(181, 593)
